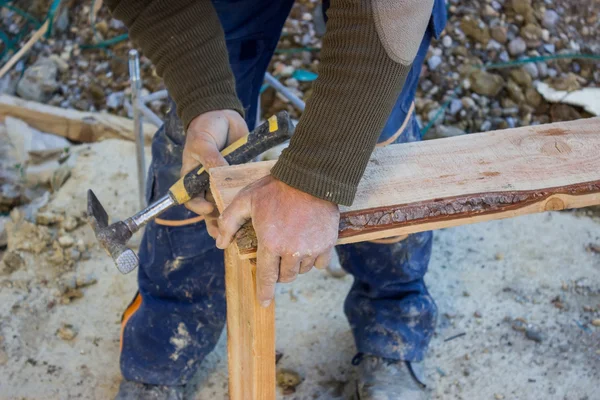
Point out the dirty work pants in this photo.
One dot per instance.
(179, 312)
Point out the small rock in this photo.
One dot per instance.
(550, 19)
(102, 27)
(498, 396)
(534, 334)
(517, 46)
(39, 81)
(515, 92)
(66, 241)
(70, 223)
(3, 234)
(477, 314)
(486, 126)
(455, 106)
(48, 218)
(499, 34)
(531, 69)
(476, 30)
(499, 256)
(532, 34)
(115, 100)
(60, 63)
(447, 41)
(444, 131)
(288, 380)
(519, 325)
(596, 322)
(11, 262)
(434, 62)
(521, 76)
(485, 83)
(532, 97)
(66, 332)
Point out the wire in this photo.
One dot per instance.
(510, 64)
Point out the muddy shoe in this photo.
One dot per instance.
(130, 390)
(385, 379)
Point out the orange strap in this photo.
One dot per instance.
(181, 222)
(401, 129)
(131, 309)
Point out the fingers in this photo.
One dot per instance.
(267, 273)
(200, 206)
(324, 259)
(232, 219)
(307, 264)
(290, 266)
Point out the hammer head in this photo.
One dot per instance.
(113, 238)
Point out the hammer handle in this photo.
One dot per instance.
(276, 130)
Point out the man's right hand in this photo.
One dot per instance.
(207, 135)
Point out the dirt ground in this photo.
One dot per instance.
(521, 293)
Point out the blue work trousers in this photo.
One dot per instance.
(178, 315)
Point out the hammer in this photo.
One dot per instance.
(114, 237)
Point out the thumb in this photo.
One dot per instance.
(232, 219)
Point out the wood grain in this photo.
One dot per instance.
(414, 187)
(250, 333)
(75, 125)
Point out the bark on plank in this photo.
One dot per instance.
(250, 333)
(415, 187)
(75, 125)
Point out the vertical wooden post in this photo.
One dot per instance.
(250, 333)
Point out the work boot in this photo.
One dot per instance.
(385, 379)
(130, 390)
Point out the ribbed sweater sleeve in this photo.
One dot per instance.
(355, 92)
(185, 41)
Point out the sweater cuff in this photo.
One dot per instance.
(313, 183)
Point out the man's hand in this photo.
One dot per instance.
(295, 231)
(207, 135)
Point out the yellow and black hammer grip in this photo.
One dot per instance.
(274, 131)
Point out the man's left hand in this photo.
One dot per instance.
(295, 231)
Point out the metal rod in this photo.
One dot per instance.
(148, 214)
(287, 93)
(148, 113)
(161, 94)
(136, 88)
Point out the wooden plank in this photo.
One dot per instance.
(250, 333)
(415, 187)
(75, 125)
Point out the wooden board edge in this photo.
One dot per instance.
(554, 202)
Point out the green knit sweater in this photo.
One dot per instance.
(367, 52)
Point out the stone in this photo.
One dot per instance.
(521, 76)
(61, 64)
(486, 126)
(515, 92)
(39, 81)
(532, 97)
(434, 62)
(115, 100)
(517, 46)
(550, 48)
(66, 241)
(563, 112)
(70, 223)
(532, 70)
(485, 83)
(532, 35)
(445, 131)
(499, 34)
(549, 19)
(455, 106)
(11, 261)
(66, 332)
(534, 334)
(288, 380)
(447, 41)
(476, 30)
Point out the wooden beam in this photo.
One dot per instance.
(75, 125)
(422, 186)
(250, 333)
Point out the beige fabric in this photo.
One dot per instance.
(401, 25)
